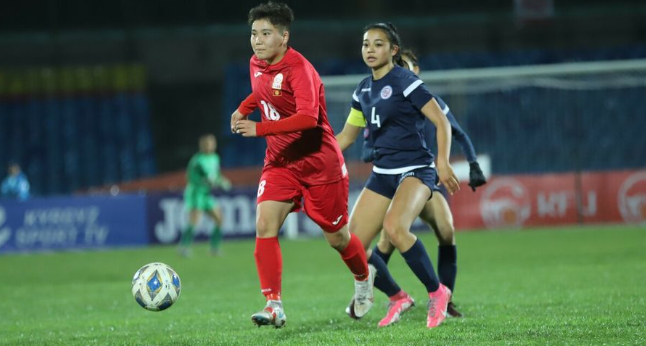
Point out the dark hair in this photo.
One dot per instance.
(393, 38)
(277, 13)
(411, 55)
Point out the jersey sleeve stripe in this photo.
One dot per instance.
(412, 87)
(354, 97)
(446, 109)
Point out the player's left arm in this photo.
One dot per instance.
(434, 113)
(426, 103)
(221, 181)
(306, 97)
(476, 177)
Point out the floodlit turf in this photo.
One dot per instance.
(574, 286)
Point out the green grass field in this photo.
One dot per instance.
(572, 286)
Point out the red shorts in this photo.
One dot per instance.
(326, 205)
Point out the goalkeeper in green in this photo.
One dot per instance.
(203, 174)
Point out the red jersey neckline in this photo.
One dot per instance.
(289, 53)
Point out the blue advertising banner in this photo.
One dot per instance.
(72, 223)
(167, 217)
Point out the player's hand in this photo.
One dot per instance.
(247, 128)
(448, 177)
(476, 177)
(226, 185)
(234, 118)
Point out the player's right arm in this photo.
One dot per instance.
(305, 89)
(247, 106)
(351, 129)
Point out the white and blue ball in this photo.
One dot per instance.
(156, 286)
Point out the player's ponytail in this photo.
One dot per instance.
(414, 61)
(396, 40)
(393, 37)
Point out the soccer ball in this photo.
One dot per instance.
(156, 286)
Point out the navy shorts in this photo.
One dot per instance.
(386, 184)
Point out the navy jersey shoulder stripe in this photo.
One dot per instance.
(412, 87)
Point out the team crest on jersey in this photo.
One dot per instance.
(386, 92)
(277, 84)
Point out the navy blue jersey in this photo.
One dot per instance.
(456, 132)
(392, 108)
(429, 133)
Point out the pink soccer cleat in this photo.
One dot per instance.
(399, 303)
(437, 303)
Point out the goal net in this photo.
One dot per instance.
(535, 119)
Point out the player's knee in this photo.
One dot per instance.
(446, 234)
(265, 228)
(446, 239)
(383, 245)
(338, 240)
(395, 230)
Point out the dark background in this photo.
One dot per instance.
(187, 46)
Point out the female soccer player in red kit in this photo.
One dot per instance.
(302, 162)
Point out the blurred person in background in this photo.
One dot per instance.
(15, 185)
(203, 174)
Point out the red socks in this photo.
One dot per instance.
(269, 262)
(354, 257)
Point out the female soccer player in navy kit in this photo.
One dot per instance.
(303, 160)
(436, 212)
(396, 104)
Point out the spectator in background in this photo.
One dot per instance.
(15, 185)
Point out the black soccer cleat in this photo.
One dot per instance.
(452, 311)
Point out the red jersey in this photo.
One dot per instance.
(286, 88)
